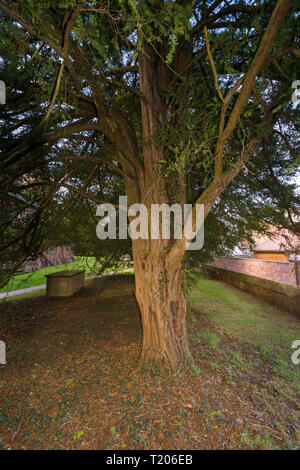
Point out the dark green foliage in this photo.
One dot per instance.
(103, 56)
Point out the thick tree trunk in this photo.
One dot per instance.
(157, 271)
(162, 305)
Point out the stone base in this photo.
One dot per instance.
(64, 283)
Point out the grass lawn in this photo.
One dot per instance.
(37, 278)
(72, 378)
(27, 295)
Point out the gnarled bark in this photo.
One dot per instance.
(162, 304)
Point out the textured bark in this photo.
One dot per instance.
(162, 305)
(157, 270)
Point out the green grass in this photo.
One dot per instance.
(209, 337)
(241, 315)
(39, 292)
(238, 315)
(38, 277)
(17, 298)
(248, 343)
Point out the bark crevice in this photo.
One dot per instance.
(163, 308)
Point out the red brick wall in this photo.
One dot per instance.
(280, 271)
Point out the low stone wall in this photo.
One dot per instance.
(282, 295)
(280, 271)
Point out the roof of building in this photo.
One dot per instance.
(281, 241)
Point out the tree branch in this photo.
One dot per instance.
(277, 17)
(90, 159)
(89, 196)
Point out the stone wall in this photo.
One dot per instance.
(284, 296)
(280, 271)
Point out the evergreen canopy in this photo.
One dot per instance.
(168, 101)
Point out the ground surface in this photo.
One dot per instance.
(71, 378)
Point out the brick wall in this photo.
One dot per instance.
(281, 271)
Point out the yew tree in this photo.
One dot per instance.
(168, 101)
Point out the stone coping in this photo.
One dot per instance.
(66, 273)
(256, 259)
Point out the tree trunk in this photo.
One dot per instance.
(158, 268)
(162, 305)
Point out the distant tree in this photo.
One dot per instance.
(169, 101)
